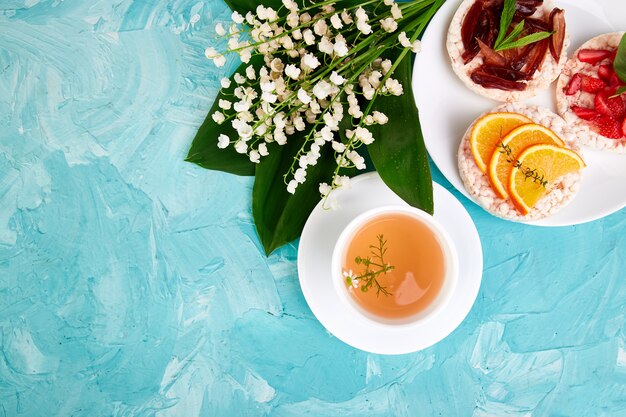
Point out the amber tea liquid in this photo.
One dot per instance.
(418, 260)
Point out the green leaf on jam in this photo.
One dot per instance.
(620, 60)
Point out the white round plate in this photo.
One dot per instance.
(318, 239)
(447, 107)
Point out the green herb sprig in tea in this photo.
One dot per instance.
(374, 266)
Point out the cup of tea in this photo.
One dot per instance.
(395, 265)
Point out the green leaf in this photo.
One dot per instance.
(279, 216)
(245, 6)
(515, 32)
(619, 91)
(505, 20)
(204, 150)
(348, 123)
(620, 60)
(526, 40)
(398, 151)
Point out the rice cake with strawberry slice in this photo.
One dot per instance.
(584, 95)
(546, 72)
(478, 184)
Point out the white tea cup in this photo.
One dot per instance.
(449, 255)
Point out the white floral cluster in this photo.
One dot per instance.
(318, 64)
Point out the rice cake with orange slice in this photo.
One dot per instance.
(511, 145)
(528, 185)
(479, 186)
(488, 130)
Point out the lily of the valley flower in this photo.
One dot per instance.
(314, 75)
(351, 279)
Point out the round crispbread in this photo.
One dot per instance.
(478, 185)
(543, 77)
(582, 128)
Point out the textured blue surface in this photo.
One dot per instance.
(133, 284)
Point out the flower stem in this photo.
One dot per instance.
(419, 25)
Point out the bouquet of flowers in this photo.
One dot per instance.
(323, 92)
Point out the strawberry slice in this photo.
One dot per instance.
(584, 113)
(591, 84)
(574, 85)
(605, 71)
(608, 106)
(593, 56)
(615, 82)
(608, 127)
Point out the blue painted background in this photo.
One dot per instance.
(132, 283)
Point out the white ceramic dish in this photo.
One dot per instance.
(447, 108)
(315, 252)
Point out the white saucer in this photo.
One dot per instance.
(314, 269)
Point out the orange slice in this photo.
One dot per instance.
(488, 131)
(539, 166)
(507, 152)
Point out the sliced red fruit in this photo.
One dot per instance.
(591, 84)
(608, 127)
(504, 69)
(557, 22)
(593, 56)
(490, 56)
(614, 82)
(469, 27)
(492, 81)
(608, 106)
(574, 85)
(536, 56)
(524, 10)
(584, 113)
(538, 24)
(604, 72)
(505, 73)
(484, 29)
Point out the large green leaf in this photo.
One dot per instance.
(620, 60)
(245, 6)
(204, 150)
(279, 216)
(399, 153)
